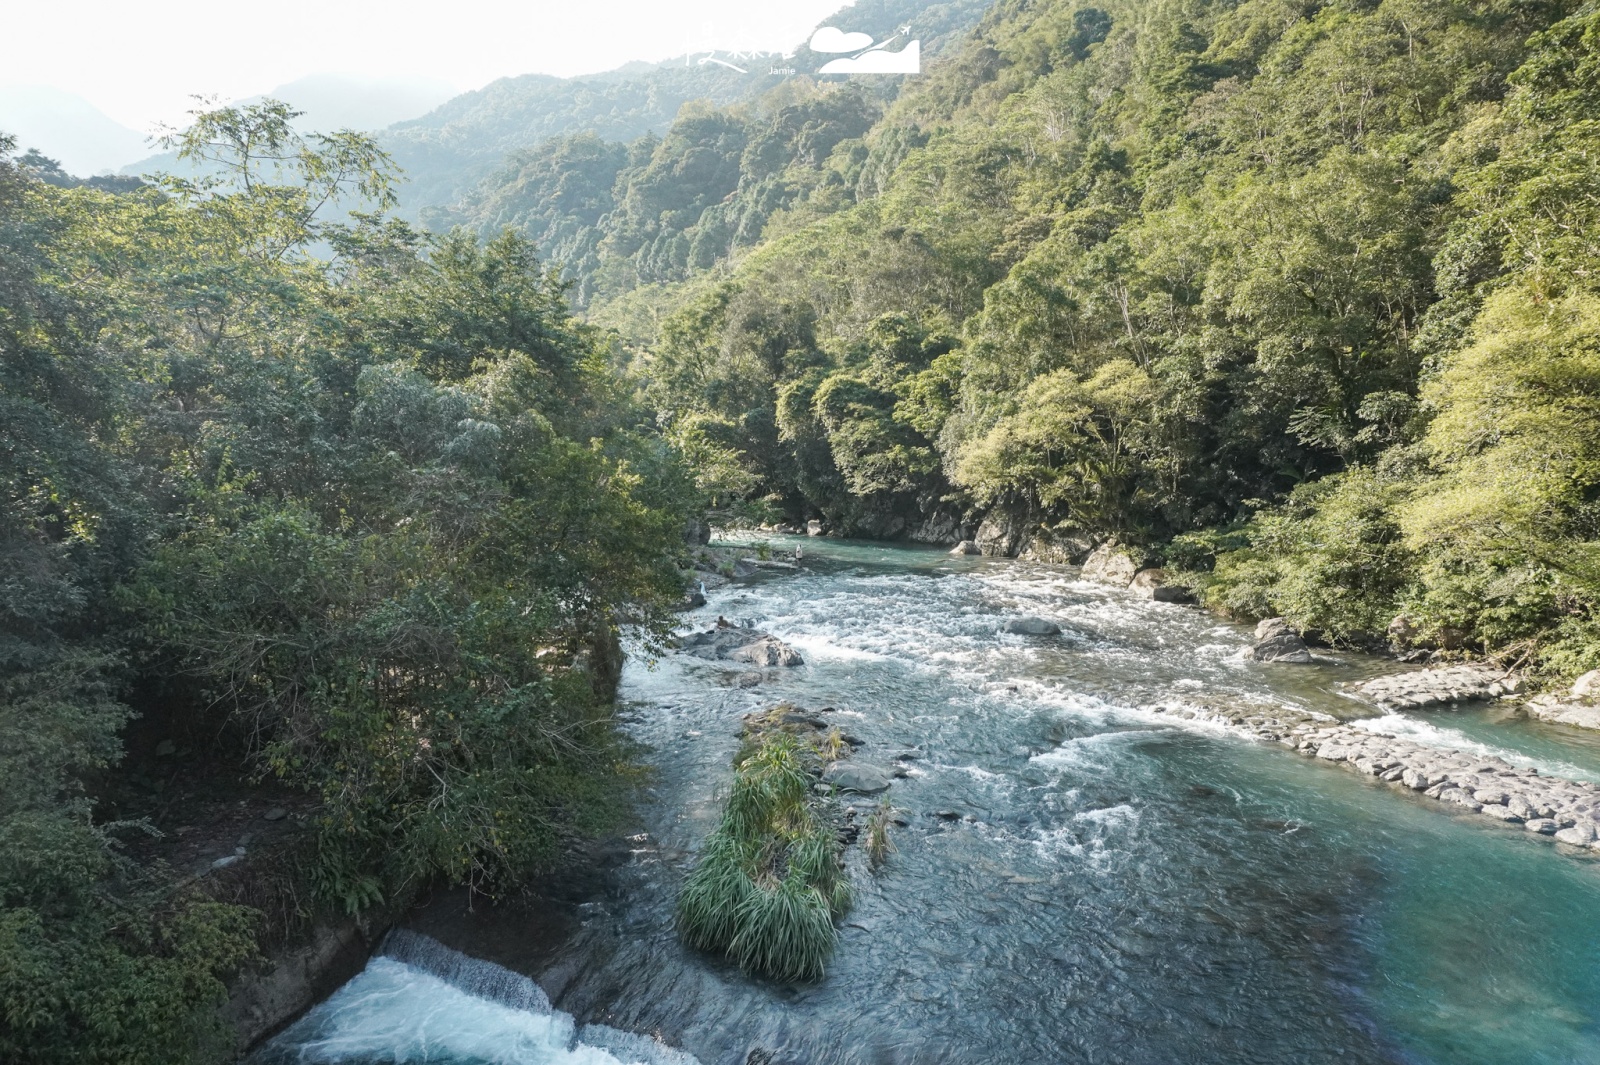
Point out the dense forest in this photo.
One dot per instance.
(1300, 297)
(338, 502)
(1298, 294)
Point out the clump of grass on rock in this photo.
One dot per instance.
(770, 881)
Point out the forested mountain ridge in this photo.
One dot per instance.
(1145, 269)
(448, 151)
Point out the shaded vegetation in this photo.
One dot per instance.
(334, 502)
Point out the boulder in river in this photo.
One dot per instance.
(1113, 563)
(1580, 835)
(1277, 641)
(768, 651)
(1560, 711)
(813, 527)
(694, 595)
(1056, 546)
(1425, 688)
(856, 777)
(1579, 706)
(730, 644)
(966, 547)
(1152, 584)
(1031, 626)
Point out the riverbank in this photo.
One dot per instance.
(1567, 811)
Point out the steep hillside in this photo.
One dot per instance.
(1132, 269)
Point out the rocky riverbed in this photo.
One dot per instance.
(1080, 873)
(1567, 811)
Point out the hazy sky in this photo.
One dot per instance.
(138, 62)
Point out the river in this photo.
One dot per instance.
(1079, 879)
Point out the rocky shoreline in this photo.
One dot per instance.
(1567, 811)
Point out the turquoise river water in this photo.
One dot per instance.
(1079, 878)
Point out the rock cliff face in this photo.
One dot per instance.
(922, 519)
(279, 988)
(939, 527)
(1000, 535)
(1008, 535)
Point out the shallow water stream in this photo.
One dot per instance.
(1079, 879)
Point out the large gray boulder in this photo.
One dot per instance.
(1060, 548)
(1425, 688)
(1152, 584)
(965, 547)
(1031, 626)
(731, 644)
(1112, 563)
(1578, 707)
(1277, 641)
(768, 651)
(862, 779)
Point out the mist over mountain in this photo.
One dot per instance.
(68, 128)
(334, 101)
(349, 101)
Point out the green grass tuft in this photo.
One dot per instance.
(770, 882)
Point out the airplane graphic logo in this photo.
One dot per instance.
(869, 57)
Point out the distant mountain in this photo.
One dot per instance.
(68, 129)
(345, 101)
(449, 151)
(333, 101)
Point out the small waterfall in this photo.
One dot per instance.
(419, 1001)
(478, 978)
